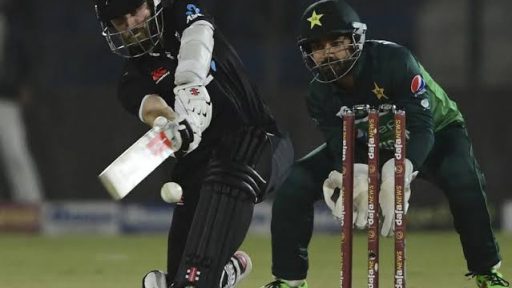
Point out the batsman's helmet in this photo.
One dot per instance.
(134, 41)
(327, 19)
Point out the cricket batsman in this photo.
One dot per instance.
(349, 70)
(179, 68)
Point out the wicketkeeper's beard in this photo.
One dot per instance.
(332, 69)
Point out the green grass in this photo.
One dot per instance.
(433, 260)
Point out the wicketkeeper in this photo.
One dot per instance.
(230, 153)
(350, 70)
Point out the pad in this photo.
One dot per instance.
(236, 179)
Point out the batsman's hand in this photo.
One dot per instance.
(335, 181)
(387, 194)
(179, 132)
(192, 101)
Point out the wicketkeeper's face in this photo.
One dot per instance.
(331, 49)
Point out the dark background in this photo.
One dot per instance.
(76, 127)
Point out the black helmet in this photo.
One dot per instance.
(327, 19)
(135, 41)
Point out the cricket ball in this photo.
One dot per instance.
(171, 192)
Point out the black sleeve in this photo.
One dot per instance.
(184, 13)
(133, 87)
(329, 125)
(412, 95)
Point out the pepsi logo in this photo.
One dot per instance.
(417, 84)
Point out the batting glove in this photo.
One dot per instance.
(183, 137)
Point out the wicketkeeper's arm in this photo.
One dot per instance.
(413, 94)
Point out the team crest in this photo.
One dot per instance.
(379, 92)
(315, 19)
(417, 85)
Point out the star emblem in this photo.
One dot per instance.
(379, 92)
(315, 19)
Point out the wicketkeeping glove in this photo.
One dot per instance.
(335, 181)
(387, 193)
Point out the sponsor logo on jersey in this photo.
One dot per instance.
(417, 85)
(192, 12)
(159, 74)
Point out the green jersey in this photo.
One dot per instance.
(386, 73)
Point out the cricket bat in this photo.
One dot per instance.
(137, 162)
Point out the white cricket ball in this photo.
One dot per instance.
(171, 192)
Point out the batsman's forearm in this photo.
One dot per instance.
(153, 106)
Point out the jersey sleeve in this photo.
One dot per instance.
(133, 87)
(186, 12)
(330, 126)
(411, 94)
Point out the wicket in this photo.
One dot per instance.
(348, 149)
